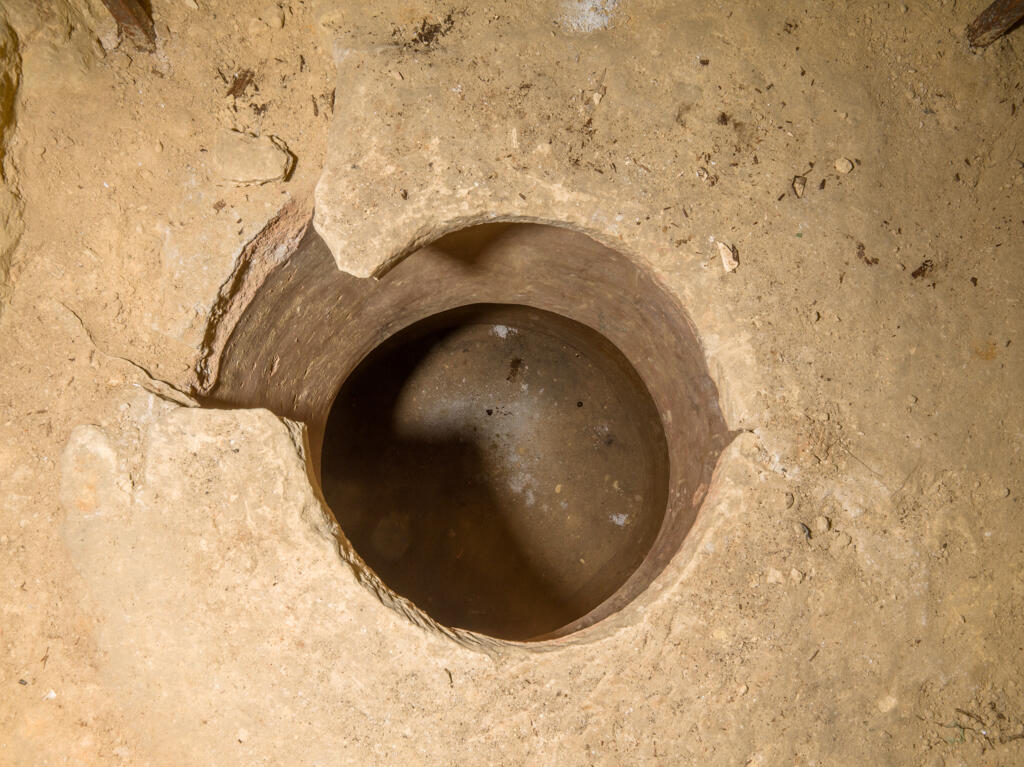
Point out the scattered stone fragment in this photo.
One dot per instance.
(273, 16)
(708, 178)
(926, 266)
(843, 165)
(244, 159)
(799, 184)
(840, 542)
(887, 704)
(796, 576)
(790, 500)
(822, 523)
(192, 4)
(730, 261)
(802, 530)
(773, 576)
(241, 81)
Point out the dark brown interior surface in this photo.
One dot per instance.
(310, 326)
(502, 467)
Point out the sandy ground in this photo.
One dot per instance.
(853, 591)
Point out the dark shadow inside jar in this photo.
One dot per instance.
(501, 466)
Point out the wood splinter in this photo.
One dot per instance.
(994, 22)
(134, 21)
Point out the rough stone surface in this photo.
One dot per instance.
(244, 159)
(217, 578)
(10, 203)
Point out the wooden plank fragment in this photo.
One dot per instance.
(134, 21)
(994, 22)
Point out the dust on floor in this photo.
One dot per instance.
(859, 598)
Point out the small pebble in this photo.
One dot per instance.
(192, 4)
(729, 260)
(843, 165)
(773, 575)
(802, 530)
(790, 500)
(799, 184)
(822, 524)
(796, 576)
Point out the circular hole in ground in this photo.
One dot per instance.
(375, 369)
(503, 467)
